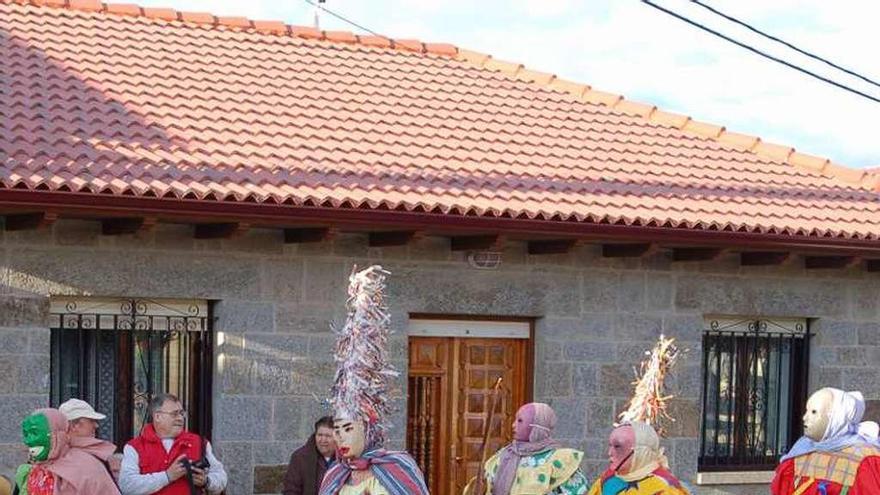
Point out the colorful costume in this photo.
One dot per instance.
(637, 464)
(845, 460)
(56, 467)
(360, 400)
(534, 463)
(648, 470)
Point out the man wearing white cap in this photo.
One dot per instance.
(82, 425)
(82, 417)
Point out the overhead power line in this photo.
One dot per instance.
(783, 42)
(759, 52)
(319, 5)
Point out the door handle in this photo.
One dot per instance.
(459, 458)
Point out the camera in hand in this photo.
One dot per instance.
(199, 464)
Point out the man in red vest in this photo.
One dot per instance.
(160, 459)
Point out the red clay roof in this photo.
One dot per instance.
(151, 102)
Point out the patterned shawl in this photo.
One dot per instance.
(396, 471)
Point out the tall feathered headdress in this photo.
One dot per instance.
(649, 401)
(360, 390)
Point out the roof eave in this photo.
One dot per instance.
(265, 215)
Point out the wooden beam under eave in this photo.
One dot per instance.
(477, 243)
(552, 246)
(625, 250)
(392, 238)
(224, 230)
(872, 265)
(696, 254)
(763, 258)
(29, 221)
(308, 234)
(120, 226)
(828, 262)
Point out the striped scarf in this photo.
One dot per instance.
(396, 471)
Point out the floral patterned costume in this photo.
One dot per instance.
(554, 471)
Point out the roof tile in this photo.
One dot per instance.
(536, 77)
(602, 98)
(198, 17)
(476, 58)
(744, 141)
(776, 151)
(671, 119)
(410, 45)
(441, 49)
(635, 108)
(92, 5)
(124, 9)
(377, 41)
(235, 22)
(510, 68)
(340, 36)
(164, 14)
(276, 27)
(306, 32)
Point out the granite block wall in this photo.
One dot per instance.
(274, 304)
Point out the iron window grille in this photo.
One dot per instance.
(118, 353)
(754, 390)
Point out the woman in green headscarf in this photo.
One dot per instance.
(56, 468)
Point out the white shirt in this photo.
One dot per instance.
(132, 482)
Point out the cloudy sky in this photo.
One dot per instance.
(627, 47)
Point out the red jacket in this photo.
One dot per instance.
(152, 457)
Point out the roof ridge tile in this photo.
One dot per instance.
(265, 26)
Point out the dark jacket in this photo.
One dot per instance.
(305, 470)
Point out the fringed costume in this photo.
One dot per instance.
(359, 398)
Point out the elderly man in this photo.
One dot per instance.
(838, 454)
(309, 462)
(168, 460)
(82, 422)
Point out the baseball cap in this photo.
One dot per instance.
(75, 409)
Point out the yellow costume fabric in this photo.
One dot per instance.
(370, 485)
(542, 473)
(652, 485)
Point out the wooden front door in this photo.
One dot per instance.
(450, 381)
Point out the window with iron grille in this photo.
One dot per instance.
(754, 391)
(118, 353)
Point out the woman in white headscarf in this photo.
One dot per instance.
(636, 464)
(838, 454)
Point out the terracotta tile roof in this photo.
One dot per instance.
(125, 100)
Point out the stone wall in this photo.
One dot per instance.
(274, 303)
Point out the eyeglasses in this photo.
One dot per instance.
(179, 412)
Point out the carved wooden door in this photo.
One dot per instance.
(450, 381)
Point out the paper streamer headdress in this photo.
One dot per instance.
(649, 401)
(360, 390)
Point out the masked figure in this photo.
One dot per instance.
(636, 464)
(535, 463)
(360, 401)
(837, 455)
(55, 467)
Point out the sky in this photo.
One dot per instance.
(629, 48)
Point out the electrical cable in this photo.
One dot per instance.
(783, 42)
(759, 52)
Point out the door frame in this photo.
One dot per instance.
(448, 429)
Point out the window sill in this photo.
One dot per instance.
(735, 477)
